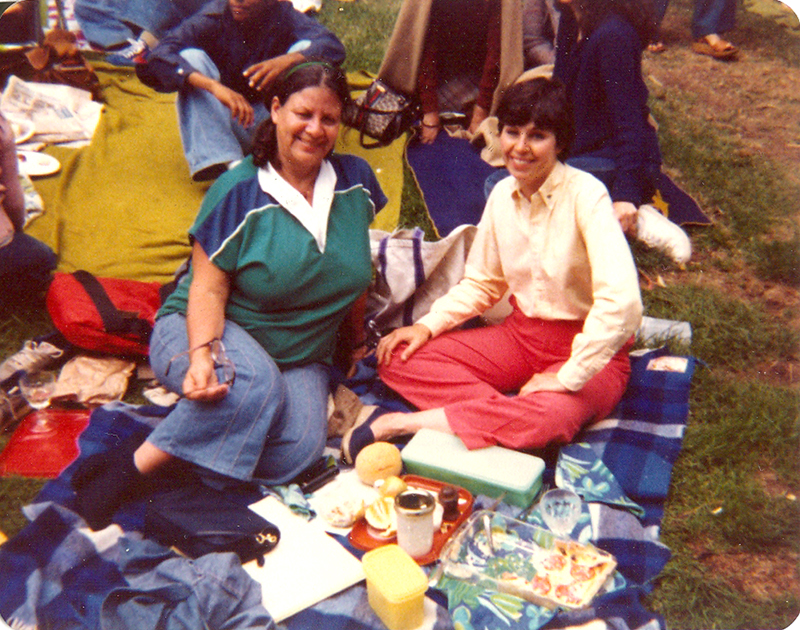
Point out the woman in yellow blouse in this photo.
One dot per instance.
(548, 235)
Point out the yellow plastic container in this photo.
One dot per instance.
(395, 587)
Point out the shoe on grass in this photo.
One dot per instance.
(657, 231)
(132, 54)
(714, 46)
(33, 356)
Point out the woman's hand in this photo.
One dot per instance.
(200, 382)
(543, 382)
(626, 212)
(415, 336)
(429, 127)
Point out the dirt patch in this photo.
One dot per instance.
(773, 486)
(761, 576)
(755, 98)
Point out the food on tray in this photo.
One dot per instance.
(380, 515)
(344, 513)
(378, 461)
(569, 574)
(392, 486)
(526, 561)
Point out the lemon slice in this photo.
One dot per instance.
(380, 515)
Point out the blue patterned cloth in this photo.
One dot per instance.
(58, 574)
(621, 466)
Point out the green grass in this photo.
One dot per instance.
(364, 27)
(726, 332)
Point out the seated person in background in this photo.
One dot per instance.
(135, 24)
(549, 235)
(599, 59)
(221, 61)
(280, 253)
(25, 263)
(539, 28)
(460, 61)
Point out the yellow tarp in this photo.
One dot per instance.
(122, 206)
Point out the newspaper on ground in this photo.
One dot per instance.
(59, 113)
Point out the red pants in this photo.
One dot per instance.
(469, 373)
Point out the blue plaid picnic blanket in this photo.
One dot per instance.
(621, 467)
(58, 574)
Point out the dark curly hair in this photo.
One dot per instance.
(309, 73)
(540, 101)
(639, 13)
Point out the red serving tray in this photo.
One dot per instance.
(46, 454)
(364, 537)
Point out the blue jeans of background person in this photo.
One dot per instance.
(710, 16)
(605, 170)
(108, 23)
(25, 266)
(210, 135)
(270, 426)
(602, 168)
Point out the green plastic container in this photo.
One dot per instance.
(491, 471)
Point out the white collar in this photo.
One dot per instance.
(312, 218)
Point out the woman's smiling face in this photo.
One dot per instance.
(306, 126)
(530, 154)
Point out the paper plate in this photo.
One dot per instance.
(35, 164)
(23, 130)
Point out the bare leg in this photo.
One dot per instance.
(392, 425)
(374, 428)
(148, 457)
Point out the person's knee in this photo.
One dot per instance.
(201, 62)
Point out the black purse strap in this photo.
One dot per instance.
(114, 320)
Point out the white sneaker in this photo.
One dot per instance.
(32, 356)
(657, 231)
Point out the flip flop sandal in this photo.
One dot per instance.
(721, 50)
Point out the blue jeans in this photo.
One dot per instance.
(209, 133)
(109, 24)
(710, 16)
(605, 170)
(270, 426)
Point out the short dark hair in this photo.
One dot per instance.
(309, 73)
(540, 101)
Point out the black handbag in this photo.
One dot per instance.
(382, 114)
(197, 520)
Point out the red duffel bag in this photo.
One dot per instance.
(109, 315)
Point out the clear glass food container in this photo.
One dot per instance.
(511, 556)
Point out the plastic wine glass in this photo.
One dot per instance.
(38, 388)
(561, 510)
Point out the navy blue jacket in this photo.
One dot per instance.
(603, 75)
(233, 48)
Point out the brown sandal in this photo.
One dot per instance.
(719, 49)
